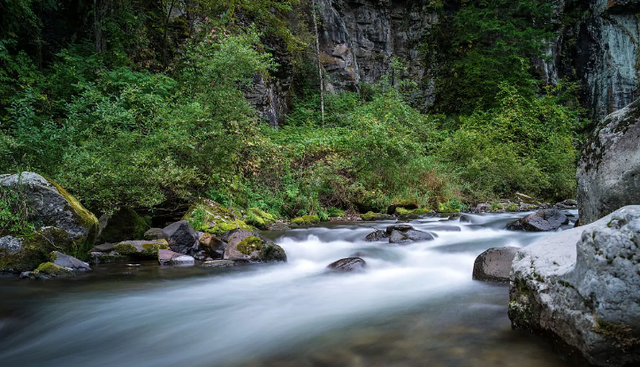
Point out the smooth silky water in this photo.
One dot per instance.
(416, 305)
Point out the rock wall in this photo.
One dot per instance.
(596, 45)
(609, 168)
(359, 37)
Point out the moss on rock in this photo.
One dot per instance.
(250, 245)
(306, 220)
(125, 249)
(36, 249)
(369, 216)
(85, 217)
(51, 270)
(402, 212)
(142, 249)
(211, 217)
(259, 218)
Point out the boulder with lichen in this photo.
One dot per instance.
(582, 287)
(243, 245)
(59, 221)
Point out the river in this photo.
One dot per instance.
(416, 305)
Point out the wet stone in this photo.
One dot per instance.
(347, 265)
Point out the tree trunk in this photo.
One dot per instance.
(315, 26)
(98, 17)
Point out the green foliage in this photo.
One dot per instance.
(49, 269)
(306, 220)
(486, 43)
(452, 206)
(335, 212)
(249, 245)
(524, 145)
(259, 218)
(158, 115)
(15, 213)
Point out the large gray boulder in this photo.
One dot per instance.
(583, 286)
(494, 264)
(54, 206)
(62, 223)
(243, 245)
(609, 167)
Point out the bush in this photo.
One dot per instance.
(15, 213)
(525, 145)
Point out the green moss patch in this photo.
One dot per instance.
(407, 204)
(37, 248)
(412, 213)
(88, 220)
(211, 217)
(125, 249)
(145, 249)
(259, 218)
(305, 220)
(369, 216)
(250, 245)
(52, 270)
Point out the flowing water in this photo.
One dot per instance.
(415, 305)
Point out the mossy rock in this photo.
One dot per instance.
(53, 206)
(412, 214)
(35, 249)
(106, 258)
(50, 270)
(125, 224)
(248, 246)
(305, 220)
(141, 249)
(126, 249)
(259, 218)
(211, 217)
(260, 250)
(370, 216)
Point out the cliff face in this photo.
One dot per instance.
(596, 45)
(359, 37)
